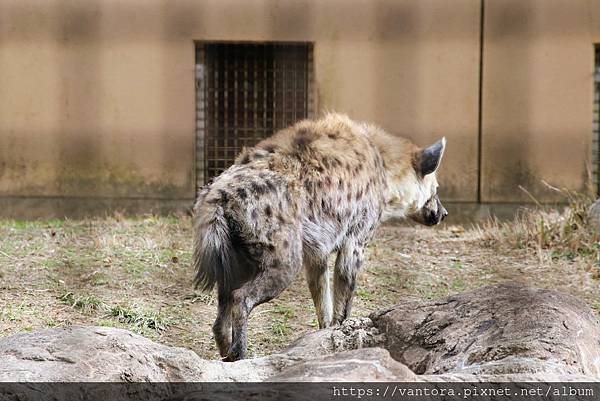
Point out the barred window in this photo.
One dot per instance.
(246, 92)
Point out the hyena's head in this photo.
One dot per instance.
(413, 184)
(426, 163)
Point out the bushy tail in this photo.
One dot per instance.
(212, 248)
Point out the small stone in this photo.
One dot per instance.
(594, 216)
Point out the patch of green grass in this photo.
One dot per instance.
(133, 317)
(433, 292)
(459, 284)
(19, 224)
(57, 223)
(98, 279)
(145, 261)
(51, 264)
(140, 318)
(137, 268)
(20, 312)
(568, 255)
(364, 294)
(85, 303)
(280, 325)
(10, 314)
(14, 249)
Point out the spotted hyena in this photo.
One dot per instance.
(315, 188)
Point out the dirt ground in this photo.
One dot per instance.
(135, 274)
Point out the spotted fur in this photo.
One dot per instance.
(316, 188)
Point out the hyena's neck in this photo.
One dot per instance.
(397, 152)
(401, 186)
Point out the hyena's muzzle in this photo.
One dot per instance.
(432, 213)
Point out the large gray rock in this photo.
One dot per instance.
(500, 333)
(367, 364)
(497, 330)
(86, 353)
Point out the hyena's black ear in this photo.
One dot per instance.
(430, 158)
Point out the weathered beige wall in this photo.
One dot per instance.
(537, 97)
(90, 105)
(411, 66)
(97, 97)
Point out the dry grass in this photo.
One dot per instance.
(565, 234)
(135, 274)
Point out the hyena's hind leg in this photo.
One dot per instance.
(318, 283)
(347, 266)
(222, 326)
(278, 267)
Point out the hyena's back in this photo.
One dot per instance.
(324, 178)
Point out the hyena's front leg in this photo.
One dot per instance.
(318, 283)
(347, 265)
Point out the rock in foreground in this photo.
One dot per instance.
(496, 333)
(89, 354)
(504, 329)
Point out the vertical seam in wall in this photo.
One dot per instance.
(595, 125)
(480, 101)
(199, 115)
(195, 164)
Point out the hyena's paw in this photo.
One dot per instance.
(231, 358)
(234, 354)
(339, 321)
(223, 344)
(326, 325)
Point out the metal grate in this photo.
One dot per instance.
(244, 93)
(596, 123)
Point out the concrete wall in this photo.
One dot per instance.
(97, 97)
(537, 97)
(97, 101)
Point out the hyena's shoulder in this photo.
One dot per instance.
(335, 136)
(333, 153)
(324, 146)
